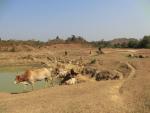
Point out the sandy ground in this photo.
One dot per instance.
(129, 95)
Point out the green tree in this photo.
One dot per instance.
(133, 43)
(57, 38)
(145, 42)
(124, 45)
(73, 38)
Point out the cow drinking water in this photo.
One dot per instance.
(32, 75)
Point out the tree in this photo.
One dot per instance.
(57, 38)
(124, 45)
(117, 45)
(145, 42)
(133, 43)
(73, 37)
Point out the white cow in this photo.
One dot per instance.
(71, 81)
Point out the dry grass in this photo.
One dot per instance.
(87, 97)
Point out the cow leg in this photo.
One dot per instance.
(52, 82)
(46, 80)
(25, 88)
(32, 85)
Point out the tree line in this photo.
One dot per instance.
(115, 43)
(124, 43)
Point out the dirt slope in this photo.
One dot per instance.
(97, 97)
(91, 97)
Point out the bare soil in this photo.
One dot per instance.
(128, 95)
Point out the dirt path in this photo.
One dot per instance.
(132, 73)
(115, 96)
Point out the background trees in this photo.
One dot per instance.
(133, 43)
(145, 42)
(115, 43)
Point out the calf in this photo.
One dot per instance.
(71, 81)
(69, 78)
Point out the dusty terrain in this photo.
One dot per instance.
(128, 95)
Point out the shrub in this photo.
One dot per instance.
(13, 49)
(133, 43)
(93, 61)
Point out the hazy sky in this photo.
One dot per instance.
(92, 19)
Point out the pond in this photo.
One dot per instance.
(7, 83)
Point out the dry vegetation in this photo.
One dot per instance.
(128, 95)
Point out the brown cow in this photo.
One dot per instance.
(33, 75)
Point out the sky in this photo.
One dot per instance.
(91, 19)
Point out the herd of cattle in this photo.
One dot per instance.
(69, 74)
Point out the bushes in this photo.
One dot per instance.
(143, 43)
(93, 61)
(116, 43)
(75, 39)
(124, 43)
(101, 43)
(13, 49)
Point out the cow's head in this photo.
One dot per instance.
(17, 79)
(55, 71)
(60, 73)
